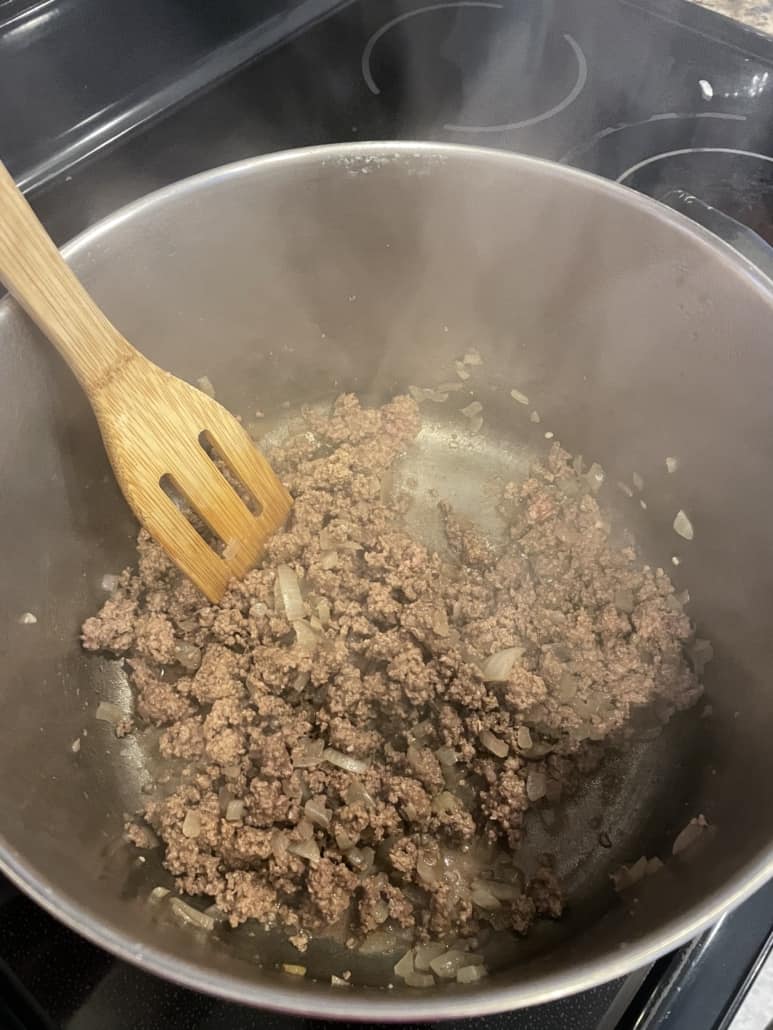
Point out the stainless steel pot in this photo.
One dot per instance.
(287, 278)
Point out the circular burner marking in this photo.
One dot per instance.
(571, 96)
(689, 150)
(366, 53)
(582, 148)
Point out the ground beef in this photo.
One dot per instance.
(382, 830)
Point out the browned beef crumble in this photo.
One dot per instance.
(387, 670)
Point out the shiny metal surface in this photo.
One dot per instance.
(370, 267)
(60, 56)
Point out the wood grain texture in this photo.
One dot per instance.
(151, 422)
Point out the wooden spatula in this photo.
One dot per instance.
(155, 427)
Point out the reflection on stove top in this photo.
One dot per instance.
(724, 159)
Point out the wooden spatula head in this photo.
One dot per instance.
(157, 429)
(160, 432)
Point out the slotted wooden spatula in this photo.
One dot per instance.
(155, 427)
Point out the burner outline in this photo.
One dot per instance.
(370, 45)
(582, 148)
(689, 150)
(574, 92)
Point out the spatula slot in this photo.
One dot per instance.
(219, 457)
(189, 513)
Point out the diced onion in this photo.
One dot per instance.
(683, 526)
(187, 655)
(204, 383)
(336, 981)
(629, 876)
(424, 954)
(523, 738)
(290, 593)
(279, 844)
(404, 966)
(361, 859)
(472, 409)
(461, 371)
(191, 916)
(519, 397)
(306, 637)
(28, 619)
(446, 966)
(109, 582)
(689, 835)
(672, 464)
(497, 668)
(701, 653)
(472, 357)
(536, 785)
(323, 611)
(638, 482)
(234, 812)
(301, 681)
(356, 793)
(109, 712)
(344, 840)
(446, 756)
(595, 477)
(483, 898)
(304, 829)
(534, 417)
(428, 866)
(385, 942)
(420, 394)
(317, 813)
(493, 744)
(191, 824)
(421, 729)
(420, 980)
(445, 802)
(293, 969)
(470, 974)
(308, 754)
(504, 891)
(308, 849)
(158, 894)
(347, 762)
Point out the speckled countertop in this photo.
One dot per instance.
(757, 14)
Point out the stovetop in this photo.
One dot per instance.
(661, 95)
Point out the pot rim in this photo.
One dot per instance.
(320, 1000)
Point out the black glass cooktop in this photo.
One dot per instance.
(663, 96)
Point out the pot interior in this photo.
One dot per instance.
(289, 280)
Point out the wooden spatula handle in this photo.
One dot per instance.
(38, 277)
